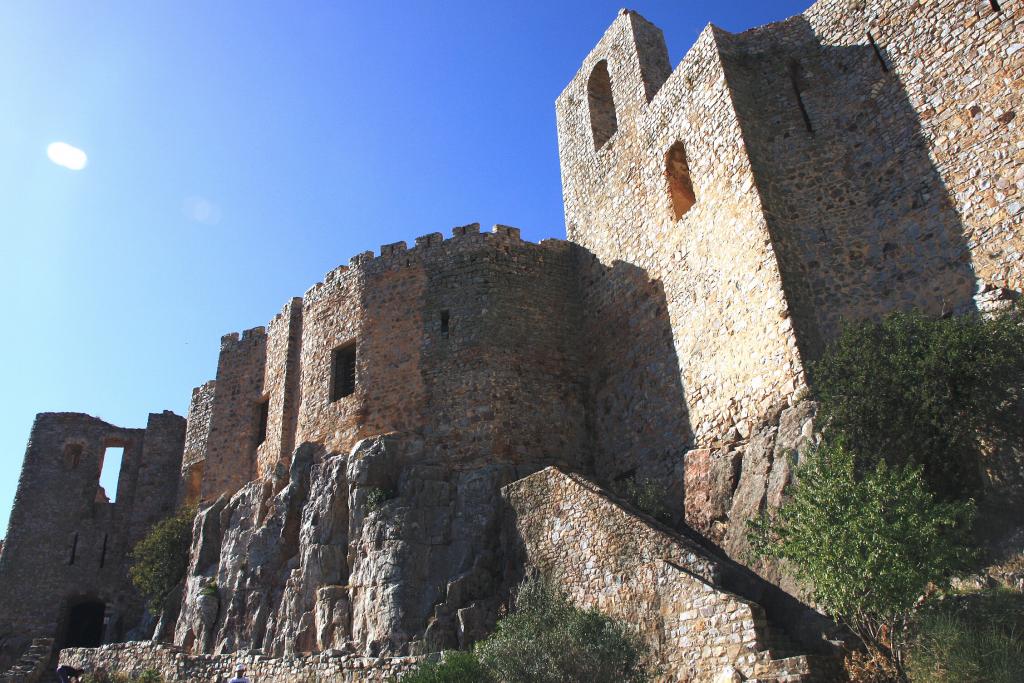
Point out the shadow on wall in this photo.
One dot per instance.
(859, 215)
(638, 418)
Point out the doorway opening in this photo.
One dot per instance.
(85, 624)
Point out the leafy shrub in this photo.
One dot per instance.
(376, 497)
(158, 561)
(102, 676)
(969, 639)
(868, 544)
(920, 390)
(648, 495)
(549, 640)
(209, 590)
(546, 639)
(455, 667)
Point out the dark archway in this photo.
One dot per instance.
(85, 624)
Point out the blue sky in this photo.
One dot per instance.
(240, 150)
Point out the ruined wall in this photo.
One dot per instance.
(231, 446)
(67, 543)
(734, 350)
(281, 388)
(197, 432)
(197, 437)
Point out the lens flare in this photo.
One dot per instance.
(68, 156)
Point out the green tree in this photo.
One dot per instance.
(868, 544)
(921, 390)
(158, 561)
(546, 639)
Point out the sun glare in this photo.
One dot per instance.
(68, 156)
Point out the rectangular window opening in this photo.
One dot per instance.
(343, 371)
(74, 547)
(103, 552)
(262, 417)
(444, 323)
(878, 53)
(110, 470)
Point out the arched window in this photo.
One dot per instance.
(603, 123)
(680, 187)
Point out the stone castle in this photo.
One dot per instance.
(378, 467)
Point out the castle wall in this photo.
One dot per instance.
(231, 446)
(66, 542)
(281, 388)
(197, 432)
(197, 437)
(863, 218)
(960, 66)
(730, 323)
(504, 382)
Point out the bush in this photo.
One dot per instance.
(546, 639)
(969, 639)
(549, 640)
(868, 544)
(102, 676)
(158, 561)
(647, 495)
(455, 667)
(376, 497)
(921, 390)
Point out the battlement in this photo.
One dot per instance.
(251, 335)
(398, 254)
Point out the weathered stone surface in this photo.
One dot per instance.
(670, 588)
(725, 217)
(176, 665)
(367, 552)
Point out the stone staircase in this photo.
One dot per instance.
(705, 615)
(782, 660)
(33, 665)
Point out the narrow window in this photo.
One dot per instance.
(444, 323)
(603, 123)
(878, 53)
(680, 186)
(343, 371)
(103, 552)
(995, 5)
(74, 547)
(72, 455)
(262, 416)
(796, 77)
(110, 470)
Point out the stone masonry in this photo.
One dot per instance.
(378, 465)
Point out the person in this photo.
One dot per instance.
(65, 673)
(240, 676)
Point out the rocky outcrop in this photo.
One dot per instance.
(736, 481)
(379, 552)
